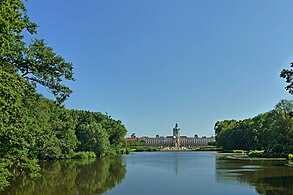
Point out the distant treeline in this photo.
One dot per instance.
(271, 132)
(32, 127)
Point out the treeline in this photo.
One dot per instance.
(35, 128)
(271, 132)
(32, 127)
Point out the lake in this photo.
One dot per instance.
(158, 173)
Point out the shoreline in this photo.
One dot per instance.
(166, 149)
(239, 156)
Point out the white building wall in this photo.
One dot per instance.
(171, 141)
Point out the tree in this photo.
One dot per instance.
(34, 61)
(16, 134)
(40, 65)
(282, 128)
(94, 138)
(271, 131)
(114, 129)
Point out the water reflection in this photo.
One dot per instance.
(174, 161)
(158, 173)
(93, 176)
(268, 177)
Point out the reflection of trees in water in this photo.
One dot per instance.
(267, 177)
(88, 176)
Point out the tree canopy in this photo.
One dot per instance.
(271, 131)
(32, 127)
(34, 61)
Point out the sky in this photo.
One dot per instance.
(154, 63)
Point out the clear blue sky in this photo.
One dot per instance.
(152, 63)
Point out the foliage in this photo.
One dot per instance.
(290, 156)
(40, 65)
(17, 135)
(134, 143)
(256, 153)
(83, 155)
(212, 143)
(95, 130)
(145, 149)
(4, 173)
(34, 61)
(93, 138)
(32, 127)
(234, 151)
(288, 75)
(271, 132)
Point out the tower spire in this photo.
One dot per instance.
(176, 135)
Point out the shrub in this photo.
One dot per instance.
(4, 173)
(234, 151)
(84, 155)
(256, 153)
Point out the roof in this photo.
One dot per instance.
(130, 139)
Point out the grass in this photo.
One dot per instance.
(144, 149)
(234, 151)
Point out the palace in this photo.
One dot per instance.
(177, 140)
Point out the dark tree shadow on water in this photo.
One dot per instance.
(87, 176)
(267, 177)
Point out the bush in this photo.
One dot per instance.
(4, 173)
(234, 151)
(256, 153)
(124, 151)
(146, 149)
(290, 156)
(212, 143)
(84, 155)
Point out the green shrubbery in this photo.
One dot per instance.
(124, 151)
(83, 155)
(34, 128)
(234, 151)
(4, 173)
(256, 153)
(290, 158)
(134, 143)
(264, 154)
(271, 131)
(205, 148)
(145, 149)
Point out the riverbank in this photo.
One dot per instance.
(241, 156)
(154, 149)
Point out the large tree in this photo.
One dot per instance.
(35, 61)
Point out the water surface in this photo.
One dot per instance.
(158, 173)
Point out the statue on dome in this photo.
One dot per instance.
(176, 135)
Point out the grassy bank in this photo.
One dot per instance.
(144, 148)
(154, 148)
(252, 155)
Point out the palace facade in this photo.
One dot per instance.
(176, 140)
